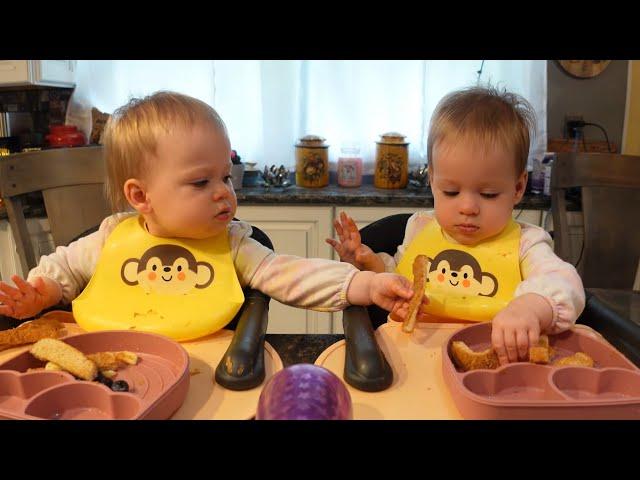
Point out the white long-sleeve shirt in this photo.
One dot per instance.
(312, 283)
(543, 272)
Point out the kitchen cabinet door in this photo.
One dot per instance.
(53, 73)
(297, 231)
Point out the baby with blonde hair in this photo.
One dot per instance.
(168, 162)
(478, 147)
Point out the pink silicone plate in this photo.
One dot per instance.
(609, 390)
(158, 383)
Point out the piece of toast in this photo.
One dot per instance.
(30, 332)
(578, 359)
(542, 352)
(420, 272)
(467, 359)
(113, 360)
(67, 357)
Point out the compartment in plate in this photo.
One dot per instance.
(83, 401)
(604, 355)
(580, 383)
(515, 382)
(16, 389)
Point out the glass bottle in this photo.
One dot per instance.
(350, 167)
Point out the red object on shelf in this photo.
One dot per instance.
(65, 136)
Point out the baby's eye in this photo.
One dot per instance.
(200, 183)
(227, 178)
(444, 270)
(450, 194)
(489, 195)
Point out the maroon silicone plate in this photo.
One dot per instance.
(158, 383)
(609, 390)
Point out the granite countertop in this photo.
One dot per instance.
(301, 348)
(363, 196)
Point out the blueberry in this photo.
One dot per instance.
(104, 380)
(120, 386)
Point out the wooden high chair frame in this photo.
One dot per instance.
(610, 186)
(72, 184)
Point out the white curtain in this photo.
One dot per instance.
(269, 104)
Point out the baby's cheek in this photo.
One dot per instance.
(466, 283)
(441, 278)
(181, 276)
(151, 276)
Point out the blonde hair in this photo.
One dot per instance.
(132, 133)
(487, 115)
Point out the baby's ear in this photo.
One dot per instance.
(521, 185)
(136, 195)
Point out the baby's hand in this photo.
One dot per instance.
(389, 290)
(350, 247)
(517, 328)
(399, 314)
(26, 300)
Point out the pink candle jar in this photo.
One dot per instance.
(350, 167)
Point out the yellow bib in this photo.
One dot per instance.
(468, 283)
(183, 289)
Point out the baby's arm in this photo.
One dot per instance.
(314, 283)
(350, 247)
(548, 300)
(28, 299)
(58, 277)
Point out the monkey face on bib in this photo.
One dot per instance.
(459, 273)
(167, 269)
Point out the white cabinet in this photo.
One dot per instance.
(52, 73)
(297, 231)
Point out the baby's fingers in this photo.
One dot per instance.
(497, 341)
(6, 310)
(522, 339)
(25, 287)
(10, 291)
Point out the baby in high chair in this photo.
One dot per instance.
(173, 261)
(482, 264)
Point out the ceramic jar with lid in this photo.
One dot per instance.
(65, 136)
(392, 161)
(312, 162)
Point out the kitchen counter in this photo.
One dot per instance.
(363, 196)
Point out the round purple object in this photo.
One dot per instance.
(304, 392)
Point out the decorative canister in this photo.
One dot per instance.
(392, 161)
(312, 162)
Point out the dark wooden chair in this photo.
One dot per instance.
(610, 189)
(609, 262)
(71, 181)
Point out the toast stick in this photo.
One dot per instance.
(419, 279)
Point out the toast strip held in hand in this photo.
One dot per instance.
(420, 264)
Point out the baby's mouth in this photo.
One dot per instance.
(467, 227)
(167, 279)
(454, 284)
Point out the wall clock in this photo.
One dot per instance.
(583, 68)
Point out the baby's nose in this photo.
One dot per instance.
(167, 269)
(454, 274)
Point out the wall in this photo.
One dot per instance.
(601, 100)
(632, 129)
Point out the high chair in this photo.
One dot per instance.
(365, 366)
